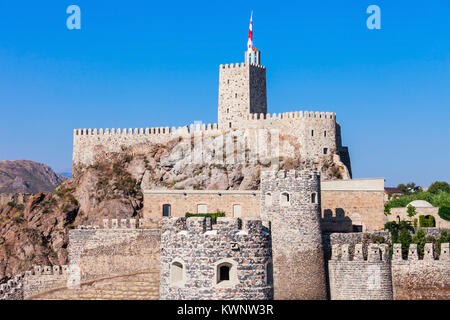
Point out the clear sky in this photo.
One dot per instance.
(143, 64)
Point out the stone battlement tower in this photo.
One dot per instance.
(290, 200)
(242, 90)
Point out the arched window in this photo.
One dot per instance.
(313, 197)
(166, 210)
(268, 199)
(226, 273)
(285, 198)
(325, 150)
(176, 273)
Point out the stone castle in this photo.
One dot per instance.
(291, 239)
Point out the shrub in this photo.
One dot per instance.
(213, 215)
(444, 212)
(426, 221)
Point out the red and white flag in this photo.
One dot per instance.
(250, 34)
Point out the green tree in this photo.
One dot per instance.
(411, 211)
(437, 186)
(444, 212)
(419, 239)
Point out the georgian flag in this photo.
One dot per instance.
(250, 34)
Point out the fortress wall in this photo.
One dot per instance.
(118, 248)
(119, 251)
(360, 201)
(358, 276)
(138, 286)
(44, 278)
(288, 133)
(421, 279)
(182, 201)
(298, 262)
(195, 250)
(313, 131)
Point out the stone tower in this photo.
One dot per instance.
(291, 202)
(242, 90)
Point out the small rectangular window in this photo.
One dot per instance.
(312, 133)
(325, 150)
(325, 133)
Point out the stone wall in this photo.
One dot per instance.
(291, 201)
(360, 277)
(421, 279)
(120, 261)
(182, 201)
(242, 90)
(402, 213)
(360, 201)
(193, 252)
(44, 279)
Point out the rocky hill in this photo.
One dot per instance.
(34, 229)
(24, 176)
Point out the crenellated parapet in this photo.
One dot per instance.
(430, 254)
(363, 273)
(241, 65)
(145, 131)
(424, 277)
(230, 259)
(303, 115)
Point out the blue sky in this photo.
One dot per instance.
(143, 64)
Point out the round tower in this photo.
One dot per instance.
(201, 261)
(291, 201)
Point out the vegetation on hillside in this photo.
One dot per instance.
(438, 194)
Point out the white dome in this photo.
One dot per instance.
(420, 204)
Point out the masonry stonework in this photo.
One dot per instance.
(194, 251)
(359, 276)
(421, 279)
(291, 202)
(245, 203)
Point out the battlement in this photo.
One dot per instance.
(429, 252)
(375, 253)
(291, 174)
(304, 115)
(240, 65)
(145, 131)
(47, 270)
(203, 225)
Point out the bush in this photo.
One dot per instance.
(444, 212)
(213, 215)
(426, 221)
